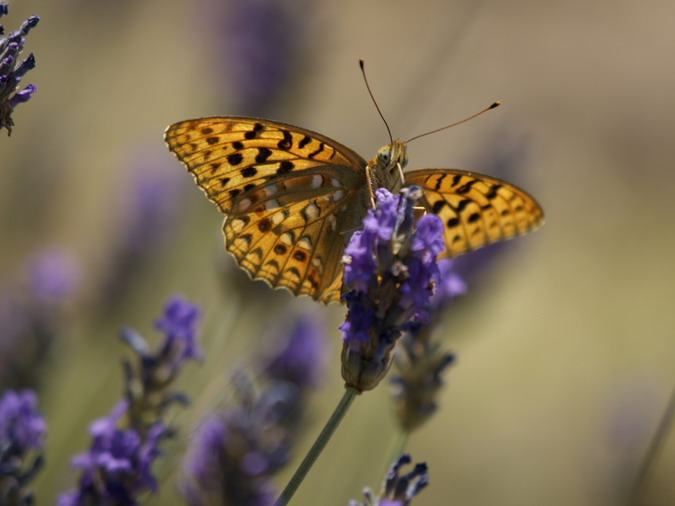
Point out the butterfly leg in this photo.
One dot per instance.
(371, 185)
(400, 172)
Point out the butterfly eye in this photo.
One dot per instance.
(384, 154)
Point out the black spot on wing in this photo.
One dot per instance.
(286, 142)
(263, 155)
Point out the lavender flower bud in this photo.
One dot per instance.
(398, 490)
(12, 69)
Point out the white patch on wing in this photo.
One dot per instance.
(311, 211)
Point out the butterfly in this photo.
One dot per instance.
(292, 197)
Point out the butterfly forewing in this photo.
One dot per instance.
(227, 155)
(289, 195)
(476, 209)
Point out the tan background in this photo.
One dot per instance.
(566, 350)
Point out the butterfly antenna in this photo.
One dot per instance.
(457, 123)
(363, 71)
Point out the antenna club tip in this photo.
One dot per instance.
(362, 63)
(497, 103)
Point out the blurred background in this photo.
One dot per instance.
(565, 339)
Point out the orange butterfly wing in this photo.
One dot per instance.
(476, 209)
(290, 197)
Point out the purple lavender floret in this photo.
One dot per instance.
(389, 274)
(117, 467)
(398, 490)
(12, 69)
(179, 324)
(22, 432)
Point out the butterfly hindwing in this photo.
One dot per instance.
(297, 245)
(476, 209)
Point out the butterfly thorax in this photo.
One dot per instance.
(386, 169)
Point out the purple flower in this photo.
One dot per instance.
(261, 40)
(12, 69)
(32, 314)
(22, 432)
(390, 272)
(54, 275)
(398, 490)
(125, 444)
(235, 452)
(449, 286)
(220, 465)
(420, 360)
(22, 427)
(301, 357)
(150, 214)
(117, 467)
(179, 324)
(150, 374)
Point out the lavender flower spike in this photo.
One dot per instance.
(421, 361)
(12, 69)
(22, 431)
(390, 274)
(398, 490)
(235, 452)
(118, 466)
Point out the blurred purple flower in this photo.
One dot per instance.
(389, 274)
(229, 460)
(12, 69)
(398, 490)
(22, 427)
(261, 40)
(54, 275)
(151, 212)
(234, 453)
(32, 314)
(301, 358)
(505, 158)
(117, 467)
(449, 286)
(22, 432)
(420, 361)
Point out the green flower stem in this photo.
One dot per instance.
(397, 450)
(318, 446)
(636, 494)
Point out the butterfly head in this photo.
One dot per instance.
(388, 164)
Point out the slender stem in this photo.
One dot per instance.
(318, 446)
(397, 450)
(399, 447)
(655, 446)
